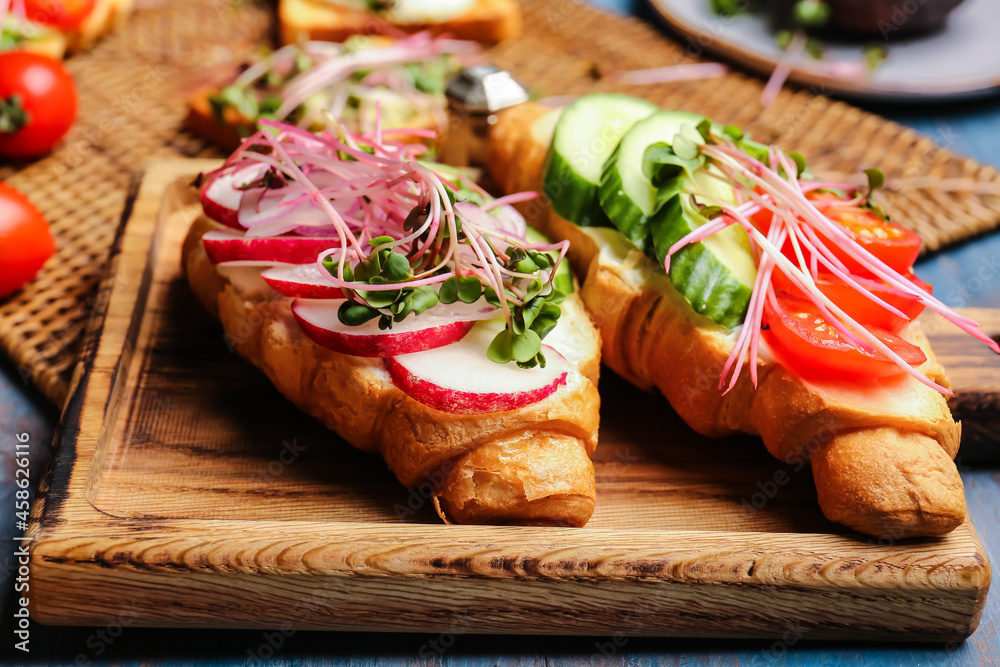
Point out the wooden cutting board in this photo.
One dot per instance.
(186, 490)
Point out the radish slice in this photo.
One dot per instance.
(220, 196)
(227, 246)
(461, 379)
(305, 281)
(245, 276)
(292, 204)
(434, 328)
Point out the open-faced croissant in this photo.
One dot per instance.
(881, 450)
(490, 442)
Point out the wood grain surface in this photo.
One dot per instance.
(162, 495)
(134, 86)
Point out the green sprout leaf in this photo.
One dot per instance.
(733, 132)
(874, 55)
(711, 212)
(448, 292)
(814, 48)
(333, 267)
(469, 289)
(811, 13)
(525, 346)
(783, 39)
(501, 350)
(421, 299)
(800, 162)
(355, 314)
(379, 298)
(395, 268)
(705, 130)
(876, 178)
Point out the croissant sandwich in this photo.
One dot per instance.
(305, 84)
(409, 311)
(755, 297)
(335, 20)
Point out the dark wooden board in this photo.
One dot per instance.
(184, 485)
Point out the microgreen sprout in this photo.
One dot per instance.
(766, 179)
(412, 236)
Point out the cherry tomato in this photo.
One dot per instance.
(862, 309)
(25, 240)
(63, 14)
(37, 103)
(806, 343)
(897, 246)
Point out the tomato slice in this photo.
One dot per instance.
(897, 246)
(861, 309)
(806, 344)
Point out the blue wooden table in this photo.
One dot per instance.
(970, 128)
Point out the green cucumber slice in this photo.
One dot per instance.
(563, 280)
(716, 275)
(586, 134)
(627, 195)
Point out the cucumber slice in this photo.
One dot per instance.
(716, 276)
(627, 195)
(587, 133)
(563, 280)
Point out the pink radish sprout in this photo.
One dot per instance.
(776, 188)
(355, 188)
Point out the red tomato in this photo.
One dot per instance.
(25, 240)
(63, 14)
(861, 309)
(41, 88)
(806, 343)
(897, 246)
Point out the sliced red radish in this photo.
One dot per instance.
(288, 208)
(461, 379)
(245, 276)
(221, 196)
(433, 328)
(227, 246)
(305, 281)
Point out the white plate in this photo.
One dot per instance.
(961, 60)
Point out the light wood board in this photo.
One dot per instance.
(187, 490)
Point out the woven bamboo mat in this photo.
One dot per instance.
(133, 86)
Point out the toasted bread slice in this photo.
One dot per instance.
(107, 16)
(528, 466)
(228, 134)
(881, 453)
(489, 21)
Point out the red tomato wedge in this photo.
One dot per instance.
(806, 343)
(62, 14)
(862, 309)
(897, 246)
